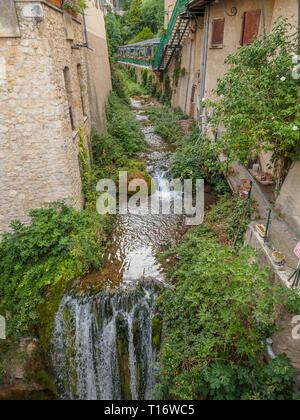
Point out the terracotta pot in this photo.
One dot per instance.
(278, 258)
(56, 3)
(269, 177)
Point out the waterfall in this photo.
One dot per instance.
(104, 347)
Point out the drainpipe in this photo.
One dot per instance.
(204, 66)
(264, 16)
(86, 44)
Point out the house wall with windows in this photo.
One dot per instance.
(43, 102)
(228, 32)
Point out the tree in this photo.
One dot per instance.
(143, 35)
(259, 100)
(114, 32)
(152, 12)
(135, 12)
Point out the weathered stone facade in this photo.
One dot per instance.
(38, 145)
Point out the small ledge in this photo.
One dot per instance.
(49, 5)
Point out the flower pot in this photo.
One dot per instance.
(278, 258)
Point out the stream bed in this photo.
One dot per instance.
(105, 345)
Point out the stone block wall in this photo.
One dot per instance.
(38, 147)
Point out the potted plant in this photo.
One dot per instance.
(74, 7)
(278, 257)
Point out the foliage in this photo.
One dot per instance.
(229, 219)
(143, 35)
(217, 317)
(59, 244)
(152, 12)
(199, 161)
(259, 100)
(114, 32)
(74, 5)
(123, 127)
(135, 12)
(133, 88)
(168, 93)
(141, 22)
(167, 122)
(85, 166)
(177, 69)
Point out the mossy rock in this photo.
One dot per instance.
(141, 359)
(156, 332)
(135, 171)
(71, 378)
(123, 357)
(46, 381)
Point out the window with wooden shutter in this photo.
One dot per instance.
(250, 27)
(217, 33)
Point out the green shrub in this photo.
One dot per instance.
(123, 127)
(216, 320)
(60, 244)
(167, 122)
(199, 161)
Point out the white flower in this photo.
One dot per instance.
(203, 99)
(283, 79)
(295, 128)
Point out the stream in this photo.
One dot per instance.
(105, 345)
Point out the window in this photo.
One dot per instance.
(68, 86)
(250, 26)
(217, 33)
(82, 89)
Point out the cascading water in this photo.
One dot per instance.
(105, 346)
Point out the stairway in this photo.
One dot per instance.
(173, 40)
(178, 36)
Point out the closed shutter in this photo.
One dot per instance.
(250, 26)
(217, 32)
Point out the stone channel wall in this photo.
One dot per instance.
(38, 143)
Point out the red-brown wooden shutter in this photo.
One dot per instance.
(217, 32)
(250, 26)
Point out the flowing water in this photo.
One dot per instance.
(105, 346)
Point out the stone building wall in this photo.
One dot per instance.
(38, 148)
(99, 78)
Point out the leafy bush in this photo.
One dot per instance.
(216, 321)
(199, 160)
(123, 126)
(59, 245)
(144, 35)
